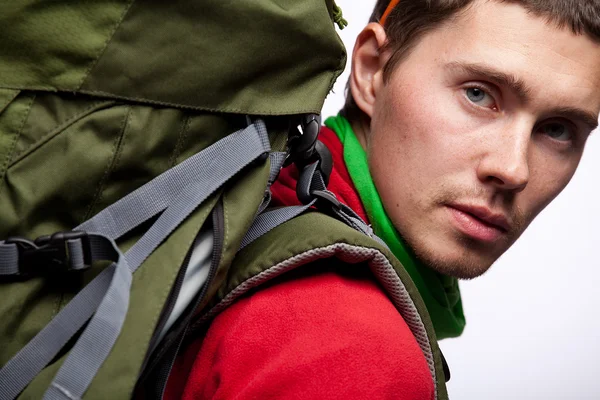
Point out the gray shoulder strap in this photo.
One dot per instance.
(311, 183)
(176, 193)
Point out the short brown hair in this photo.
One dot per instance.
(412, 19)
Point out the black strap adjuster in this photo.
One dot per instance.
(52, 254)
(326, 199)
(305, 148)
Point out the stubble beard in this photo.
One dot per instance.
(475, 257)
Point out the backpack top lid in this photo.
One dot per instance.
(261, 57)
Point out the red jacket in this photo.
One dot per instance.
(314, 333)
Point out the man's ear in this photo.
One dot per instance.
(366, 77)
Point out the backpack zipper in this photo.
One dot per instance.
(173, 295)
(167, 352)
(148, 366)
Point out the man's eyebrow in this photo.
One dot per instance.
(519, 87)
(587, 118)
(515, 84)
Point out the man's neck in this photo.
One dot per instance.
(361, 127)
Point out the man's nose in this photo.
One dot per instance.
(506, 162)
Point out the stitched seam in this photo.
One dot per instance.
(117, 150)
(37, 88)
(6, 163)
(106, 43)
(94, 107)
(183, 133)
(189, 107)
(114, 96)
(336, 74)
(58, 301)
(225, 230)
(179, 105)
(12, 98)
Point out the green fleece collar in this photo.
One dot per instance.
(440, 293)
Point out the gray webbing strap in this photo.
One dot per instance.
(350, 218)
(97, 340)
(31, 359)
(9, 259)
(277, 159)
(203, 178)
(76, 258)
(310, 181)
(269, 220)
(152, 198)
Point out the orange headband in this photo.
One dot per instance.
(388, 10)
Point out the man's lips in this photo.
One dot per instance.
(479, 223)
(487, 216)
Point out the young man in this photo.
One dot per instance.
(464, 119)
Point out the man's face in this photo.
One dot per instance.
(478, 129)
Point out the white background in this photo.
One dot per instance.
(533, 320)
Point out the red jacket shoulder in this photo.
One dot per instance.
(307, 336)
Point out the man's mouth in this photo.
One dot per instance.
(479, 222)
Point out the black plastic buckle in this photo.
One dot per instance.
(326, 199)
(305, 144)
(48, 255)
(305, 148)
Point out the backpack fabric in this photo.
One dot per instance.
(147, 125)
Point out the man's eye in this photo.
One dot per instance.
(557, 131)
(480, 97)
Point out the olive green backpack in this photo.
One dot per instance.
(138, 141)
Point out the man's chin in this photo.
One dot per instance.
(460, 270)
(464, 262)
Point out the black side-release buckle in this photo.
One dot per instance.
(49, 255)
